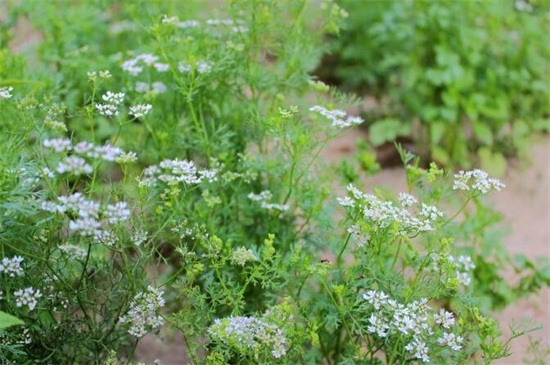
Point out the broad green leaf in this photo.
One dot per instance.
(387, 130)
(492, 162)
(483, 133)
(440, 155)
(7, 320)
(437, 130)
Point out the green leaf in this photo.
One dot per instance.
(483, 133)
(440, 155)
(492, 162)
(387, 130)
(7, 320)
(437, 130)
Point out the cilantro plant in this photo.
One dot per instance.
(170, 181)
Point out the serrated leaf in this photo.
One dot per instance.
(7, 320)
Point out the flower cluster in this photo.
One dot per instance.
(384, 213)
(416, 322)
(76, 163)
(28, 296)
(156, 87)
(112, 101)
(73, 252)
(339, 118)
(242, 255)
(460, 268)
(264, 197)
(173, 172)
(236, 25)
(249, 333)
(5, 92)
(477, 181)
(105, 74)
(12, 267)
(143, 315)
(201, 67)
(136, 65)
(140, 110)
(88, 218)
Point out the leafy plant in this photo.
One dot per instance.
(459, 77)
(175, 184)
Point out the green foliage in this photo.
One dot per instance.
(160, 170)
(459, 77)
(7, 320)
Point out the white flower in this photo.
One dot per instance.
(147, 58)
(139, 238)
(339, 118)
(444, 318)
(378, 326)
(107, 110)
(263, 196)
(73, 252)
(169, 20)
(430, 212)
(143, 314)
(105, 74)
(113, 98)
(12, 267)
(28, 296)
(481, 182)
(419, 349)
(140, 110)
(203, 67)
(58, 144)
(117, 213)
(159, 87)
(184, 67)
(107, 152)
(127, 157)
(188, 24)
(250, 332)
(406, 200)
(345, 201)
(376, 298)
(466, 262)
(5, 92)
(161, 67)
(361, 238)
(131, 67)
(83, 148)
(74, 165)
(142, 87)
(451, 340)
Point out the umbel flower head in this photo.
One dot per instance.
(143, 315)
(249, 334)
